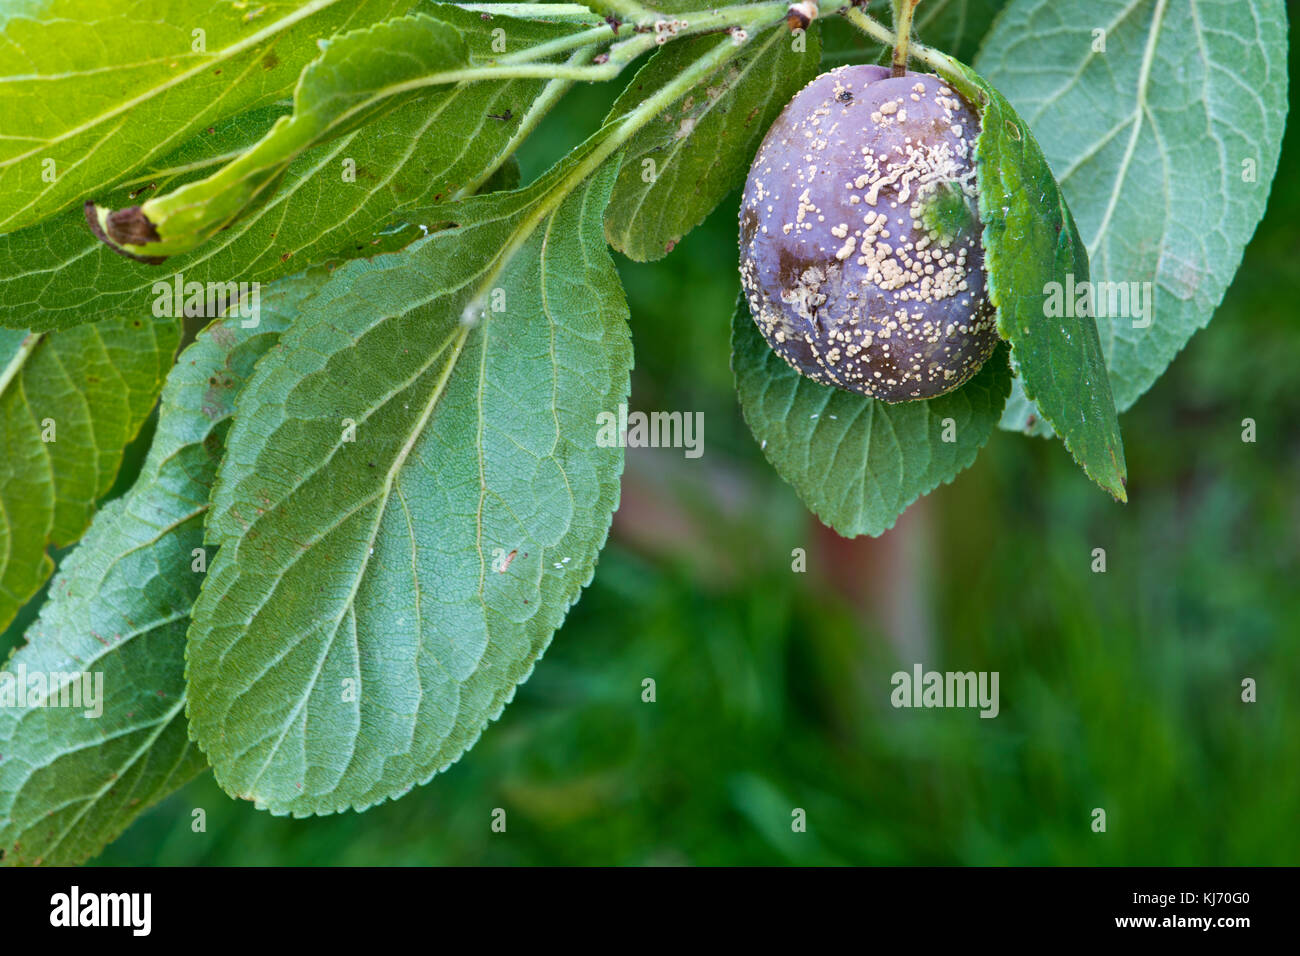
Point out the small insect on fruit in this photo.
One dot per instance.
(860, 252)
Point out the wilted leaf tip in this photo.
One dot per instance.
(123, 227)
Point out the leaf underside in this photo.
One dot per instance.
(358, 77)
(333, 199)
(857, 462)
(1030, 243)
(119, 607)
(1165, 146)
(376, 601)
(71, 403)
(85, 129)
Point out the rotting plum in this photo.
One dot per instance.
(860, 244)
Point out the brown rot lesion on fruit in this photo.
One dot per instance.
(748, 226)
(861, 253)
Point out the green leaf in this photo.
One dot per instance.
(91, 90)
(954, 26)
(856, 462)
(439, 145)
(700, 147)
(1030, 243)
(376, 601)
(1152, 142)
(119, 607)
(358, 76)
(69, 404)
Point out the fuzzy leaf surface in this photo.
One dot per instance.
(69, 403)
(91, 90)
(357, 77)
(380, 593)
(119, 607)
(1031, 245)
(857, 462)
(1165, 147)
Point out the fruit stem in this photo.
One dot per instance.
(903, 11)
(607, 141)
(939, 62)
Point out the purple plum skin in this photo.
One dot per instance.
(855, 272)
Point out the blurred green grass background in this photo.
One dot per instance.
(1119, 690)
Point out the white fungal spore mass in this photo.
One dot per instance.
(860, 241)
